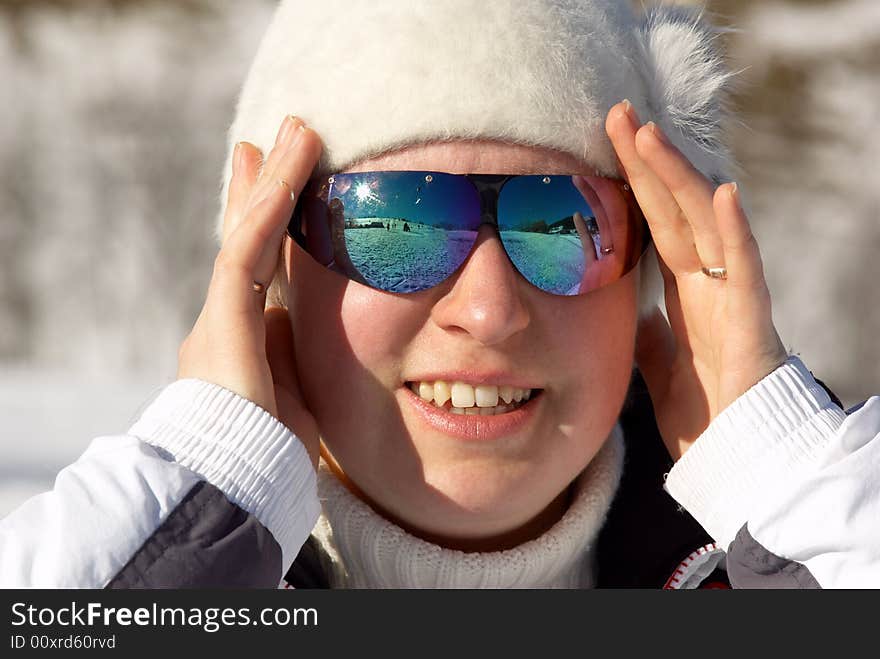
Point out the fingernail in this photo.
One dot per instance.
(734, 192)
(236, 158)
(299, 134)
(295, 136)
(657, 132)
(284, 132)
(630, 113)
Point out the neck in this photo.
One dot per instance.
(366, 549)
(533, 528)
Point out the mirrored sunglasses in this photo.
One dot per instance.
(408, 231)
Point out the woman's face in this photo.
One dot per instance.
(358, 348)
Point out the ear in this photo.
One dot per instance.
(688, 84)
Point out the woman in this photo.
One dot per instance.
(469, 394)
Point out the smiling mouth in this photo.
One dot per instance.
(478, 400)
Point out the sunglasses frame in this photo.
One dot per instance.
(489, 187)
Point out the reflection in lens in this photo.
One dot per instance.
(550, 232)
(405, 231)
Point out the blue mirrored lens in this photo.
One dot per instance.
(549, 231)
(403, 231)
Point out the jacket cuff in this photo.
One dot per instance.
(764, 438)
(241, 449)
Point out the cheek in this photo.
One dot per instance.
(348, 342)
(598, 335)
(378, 329)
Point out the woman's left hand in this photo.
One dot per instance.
(720, 339)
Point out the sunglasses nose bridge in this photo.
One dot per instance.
(488, 187)
(489, 218)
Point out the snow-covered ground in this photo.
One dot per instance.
(49, 417)
(401, 260)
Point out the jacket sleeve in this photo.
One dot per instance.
(205, 490)
(789, 485)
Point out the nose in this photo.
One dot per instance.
(485, 300)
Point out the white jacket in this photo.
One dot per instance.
(207, 489)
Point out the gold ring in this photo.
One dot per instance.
(258, 287)
(715, 273)
(607, 250)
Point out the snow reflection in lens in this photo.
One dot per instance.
(549, 231)
(399, 231)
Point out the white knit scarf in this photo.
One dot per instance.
(365, 550)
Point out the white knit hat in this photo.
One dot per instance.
(373, 75)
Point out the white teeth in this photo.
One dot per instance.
(463, 395)
(486, 395)
(442, 393)
(426, 390)
(468, 399)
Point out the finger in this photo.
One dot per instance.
(586, 239)
(670, 230)
(745, 269)
(252, 250)
(691, 191)
(295, 167)
(246, 163)
(235, 268)
(611, 211)
(674, 312)
(285, 131)
(288, 135)
(591, 278)
(336, 244)
(605, 239)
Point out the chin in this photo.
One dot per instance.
(479, 498)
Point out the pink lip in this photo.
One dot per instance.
(473, 427)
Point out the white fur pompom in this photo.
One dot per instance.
(688, 84)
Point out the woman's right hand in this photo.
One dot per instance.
(236, 342)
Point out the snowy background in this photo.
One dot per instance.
(112, 138)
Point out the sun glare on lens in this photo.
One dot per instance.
(363, 193)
